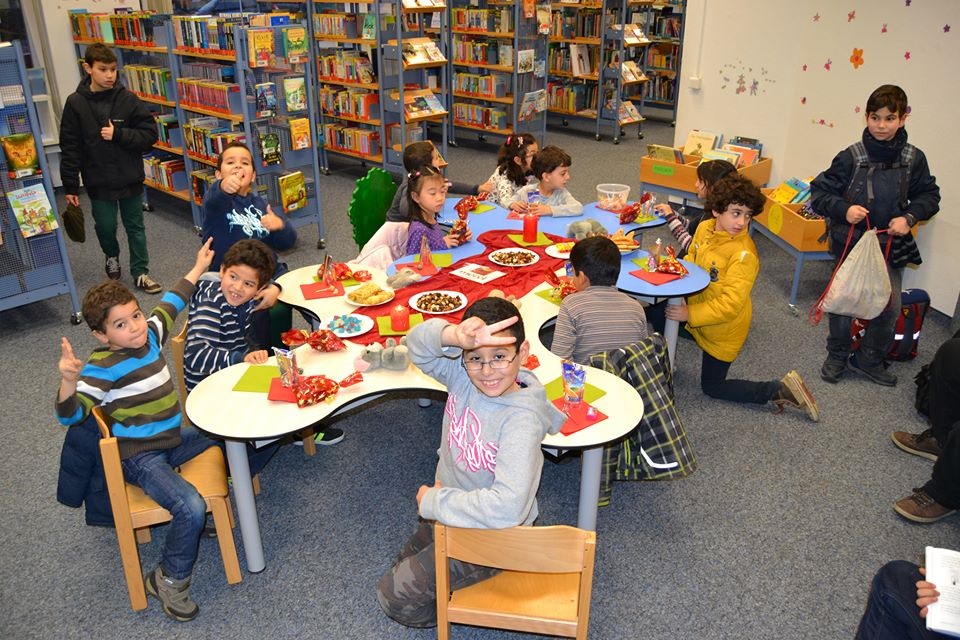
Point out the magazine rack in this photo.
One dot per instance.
(34, 268)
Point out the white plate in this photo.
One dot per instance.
(415, 300)
(553, 252)
(493, 257)
(624, 252)
(366, 323)
(360, 304)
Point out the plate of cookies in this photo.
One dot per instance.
(437, 302)
(369, 295)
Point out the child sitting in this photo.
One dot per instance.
(514, 169)
(129, 378)
(597, 317)
(552, 168)
(719, 316)
(708, 174)
(490, 460)
(417, 155)
(428, 192)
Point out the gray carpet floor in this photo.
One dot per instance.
(776, 535)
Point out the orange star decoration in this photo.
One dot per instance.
(856, 58)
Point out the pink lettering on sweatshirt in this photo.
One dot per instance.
(466, 435)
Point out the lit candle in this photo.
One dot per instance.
(530, 227)
(400, 318)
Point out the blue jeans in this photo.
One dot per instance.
(892, 612)
(154, 472)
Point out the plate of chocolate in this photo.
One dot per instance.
(513, 257)
(437, 302)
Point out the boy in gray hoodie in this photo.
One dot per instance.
(490, 460)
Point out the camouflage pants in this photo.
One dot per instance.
(408, 591)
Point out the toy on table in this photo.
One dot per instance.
(392, 355)
(402, 278)
(585, 228)
(339, 271)
(320, 340)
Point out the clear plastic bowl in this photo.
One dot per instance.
(612, 197)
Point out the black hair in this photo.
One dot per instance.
(597, 258)
(254, 254)
(417, 155)
(100, 299)
(415, 181)
(711, 171)
(549, 159)
(99, 52)
(890, 96)
(734, 189)
(492, 310)
(515, 147)
(235, 144)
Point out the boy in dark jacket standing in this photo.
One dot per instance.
(103, 133)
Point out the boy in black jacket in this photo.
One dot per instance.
(103, 133)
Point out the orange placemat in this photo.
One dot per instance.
(280, 393)
(655, 277)
(317, 290)
(577, 418)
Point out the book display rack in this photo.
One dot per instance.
(662, 62)
(33, 258)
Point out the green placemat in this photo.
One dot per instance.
(547, 294)
(541, 241)
(483, 208)
(554, 390)
(438, 259)
(383, 325)
(640, 262)
(256, 379)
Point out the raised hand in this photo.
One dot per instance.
(474, 333)
(271, 221)
(107, 132)
(70, 365)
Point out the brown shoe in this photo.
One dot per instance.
(793, 392)
(920, 507)
(919, 444)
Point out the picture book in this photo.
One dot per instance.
(365, 70)
(266, 100)
(293, 191)
(721, 154)
(787, 190)
(664, 153)
(943, 570)
(270, 148)
(433, 51)
(260, 47)
(33, 210)
(295, 44)
(369, 29)
(580, 60)
(700, 141)
(748, 155)
(295, 93)
(20, 151)
(300, 133)
(533, 103)
(477, 272)
(414, 53)
(525, 59)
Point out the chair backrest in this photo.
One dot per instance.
(178, 345)
(369, 203)
(110, 454)
(544, 587)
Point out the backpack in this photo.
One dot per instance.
(914, 304)
(922, 400)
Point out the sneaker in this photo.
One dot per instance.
(112, 267)
(147, 284)
(920, 507)
(920, 444)
(875, 372)
(174, 595)
(328, 436)
(794, 392)
(833, 369)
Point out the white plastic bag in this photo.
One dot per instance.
(861, 286)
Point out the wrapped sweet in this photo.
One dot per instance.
(362, 276)
(320, 340)
(466, 205)
(562, 285)
(670, 264)
(339, 270)
(315, 389)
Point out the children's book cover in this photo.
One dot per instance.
(295, 44)
(369, 29)
(20, 151)
(33, 210)
(300, 133)
(293, 191)
(270, 149)
(260, 47)
(365, 70)
(266, 100)
(699, 141)
(295, 93)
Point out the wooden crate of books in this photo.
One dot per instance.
(683, 177)
(785, 221)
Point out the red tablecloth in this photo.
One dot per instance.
(518, 282)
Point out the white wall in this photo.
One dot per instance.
(804, 114)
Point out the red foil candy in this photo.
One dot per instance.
(316, 389)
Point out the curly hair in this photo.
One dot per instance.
(734, 189)
(100, 299)
(253, 254)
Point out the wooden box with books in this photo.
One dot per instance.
(786, 222)
(683, 177)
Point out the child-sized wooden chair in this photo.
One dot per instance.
(134, 512)
(544, 586)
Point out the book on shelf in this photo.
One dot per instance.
(295, 93)
(533, 102)
(627, 112)
(365, 69)
(421, 52)
(200, 181)
(369, 29)
(664, 153)
(33, 211)
(266, 100)
(748, 155)
(293, 191)
(295, 44)
(417, 104)
(630, 72)
(477, 272)
(699, 141)
(786, 191)
(721, 154)
(433, 51)
(416, 4)
(580, 60)
(943, 570)
(633, 35)
(20, 151)
(269, 143)
(300, 137)
(525, 60)
(259, 47)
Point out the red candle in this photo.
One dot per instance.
(530, 227)
(400, 318)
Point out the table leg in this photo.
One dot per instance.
(796, 281)
(246, 505)
(591, 466)
(670, 330)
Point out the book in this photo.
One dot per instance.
(664, 153)
(525, 60)
(433, 52)
(270, 148)
(295, 93)
(580, 60)
(300, 133)
(748, 155)
(477, 272)
(943, 570)
(786, 191)
(293, 191)
(259, 47)
(365, 69)
(699, 141)
(266, 100)
(721, 154)
(295, 44)
(533, 102)
(33, 211)
(20, 151)
(369, 28)
(414, 53)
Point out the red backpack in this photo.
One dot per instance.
(914, 304)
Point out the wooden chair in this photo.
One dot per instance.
(134, 512)
(544, 587)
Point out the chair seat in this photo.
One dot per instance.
(547, 600)
(206, 472)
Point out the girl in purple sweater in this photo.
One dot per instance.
(427, 193)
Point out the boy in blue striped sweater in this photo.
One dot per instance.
(129, 378)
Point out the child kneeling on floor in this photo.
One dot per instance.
(490, 460)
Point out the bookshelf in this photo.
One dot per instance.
(662, 61)
(621, 75)
(498, 79)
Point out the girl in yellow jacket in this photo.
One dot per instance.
(719, 316)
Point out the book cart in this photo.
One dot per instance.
(34, 268)
(499, 75)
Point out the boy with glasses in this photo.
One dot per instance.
(490, 460)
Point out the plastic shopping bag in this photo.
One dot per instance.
(860, 287)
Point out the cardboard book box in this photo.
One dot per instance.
(784, 220)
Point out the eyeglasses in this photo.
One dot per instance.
(495, 363)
